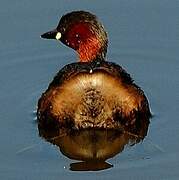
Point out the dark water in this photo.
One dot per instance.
(144, 39)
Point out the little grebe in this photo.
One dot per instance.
(91, 93)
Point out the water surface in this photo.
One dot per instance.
(144, 39)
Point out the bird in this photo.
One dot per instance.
(91, 93)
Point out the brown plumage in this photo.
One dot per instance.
(92, 93)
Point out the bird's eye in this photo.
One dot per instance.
(63, 30)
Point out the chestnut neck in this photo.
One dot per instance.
(91, 50)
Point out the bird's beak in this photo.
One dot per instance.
(54, 34)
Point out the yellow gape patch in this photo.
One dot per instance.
(58, 35)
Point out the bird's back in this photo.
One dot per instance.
(94, 95)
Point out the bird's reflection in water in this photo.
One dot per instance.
(91, 146)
